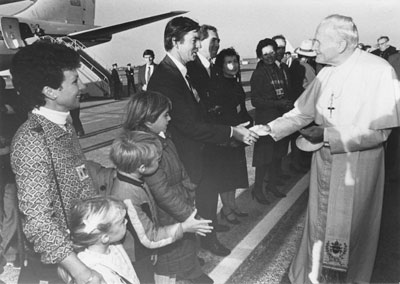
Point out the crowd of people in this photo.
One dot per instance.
(183, 146)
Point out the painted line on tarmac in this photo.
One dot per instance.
(224, 270)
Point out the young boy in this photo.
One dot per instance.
(137, 154)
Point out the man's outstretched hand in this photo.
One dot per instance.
(241, 133)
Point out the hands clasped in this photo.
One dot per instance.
(247, 136)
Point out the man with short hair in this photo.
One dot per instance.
(189, 130)
(201, 72)
(384, 49)
(281, 43)
(146, 70)
(285, 74)
(354, 103)
(130, 79)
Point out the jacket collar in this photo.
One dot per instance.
(39, 123)
(130, 180)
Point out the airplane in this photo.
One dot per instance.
(58, 18)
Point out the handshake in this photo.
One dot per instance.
(251, 135)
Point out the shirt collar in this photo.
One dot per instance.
(204, 60)
(182, 68)
(57, 117)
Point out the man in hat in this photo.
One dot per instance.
(130, 79)
(354, 107)
(116, 82)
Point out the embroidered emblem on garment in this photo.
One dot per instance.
(336, 252)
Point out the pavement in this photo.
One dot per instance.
(264, 244)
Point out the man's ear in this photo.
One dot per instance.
(49, 93)
(142, 169)
(342, 46)
(175, 41)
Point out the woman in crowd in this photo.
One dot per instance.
(270, 97)
(226, 164)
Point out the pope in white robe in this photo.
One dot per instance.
(354, 103)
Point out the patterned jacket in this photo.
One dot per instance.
(44, 222)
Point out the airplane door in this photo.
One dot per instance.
(11, 33)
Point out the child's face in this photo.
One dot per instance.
(118, 230)
(152, 168)
(160, 125)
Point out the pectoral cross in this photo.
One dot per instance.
(331, 107)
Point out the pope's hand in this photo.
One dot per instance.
(314, 134)
(241, 133)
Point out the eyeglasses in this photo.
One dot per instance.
(382, 43)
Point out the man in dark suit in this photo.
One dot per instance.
(201, 72)
(188, 127)
(130, 79)
(384, 49)
(116, 82)
(146, 70)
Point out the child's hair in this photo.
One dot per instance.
(91, 218)
(134, 148)
(145, 107)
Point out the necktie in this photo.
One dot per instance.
(209, 70)
(148, 74)
(193, 90)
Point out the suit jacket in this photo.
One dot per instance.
(142, 75)
(188, 127)
(200, 79)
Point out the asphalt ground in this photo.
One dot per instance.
(264, 244)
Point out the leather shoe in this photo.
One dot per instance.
(230, 217)
(275, 191)
(202, 279)
(262, 200)
(219, 228)
(215, 247)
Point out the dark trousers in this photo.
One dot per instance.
(207, 200)
(392, 155)
(131, 82)
(116, 90)
(144, 270)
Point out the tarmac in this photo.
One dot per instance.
(265, 242)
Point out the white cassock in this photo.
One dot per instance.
(357, 103)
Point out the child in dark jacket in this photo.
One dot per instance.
(136, 154)
(171, 187)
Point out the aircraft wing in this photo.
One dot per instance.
(9, 1)
(103, 32)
